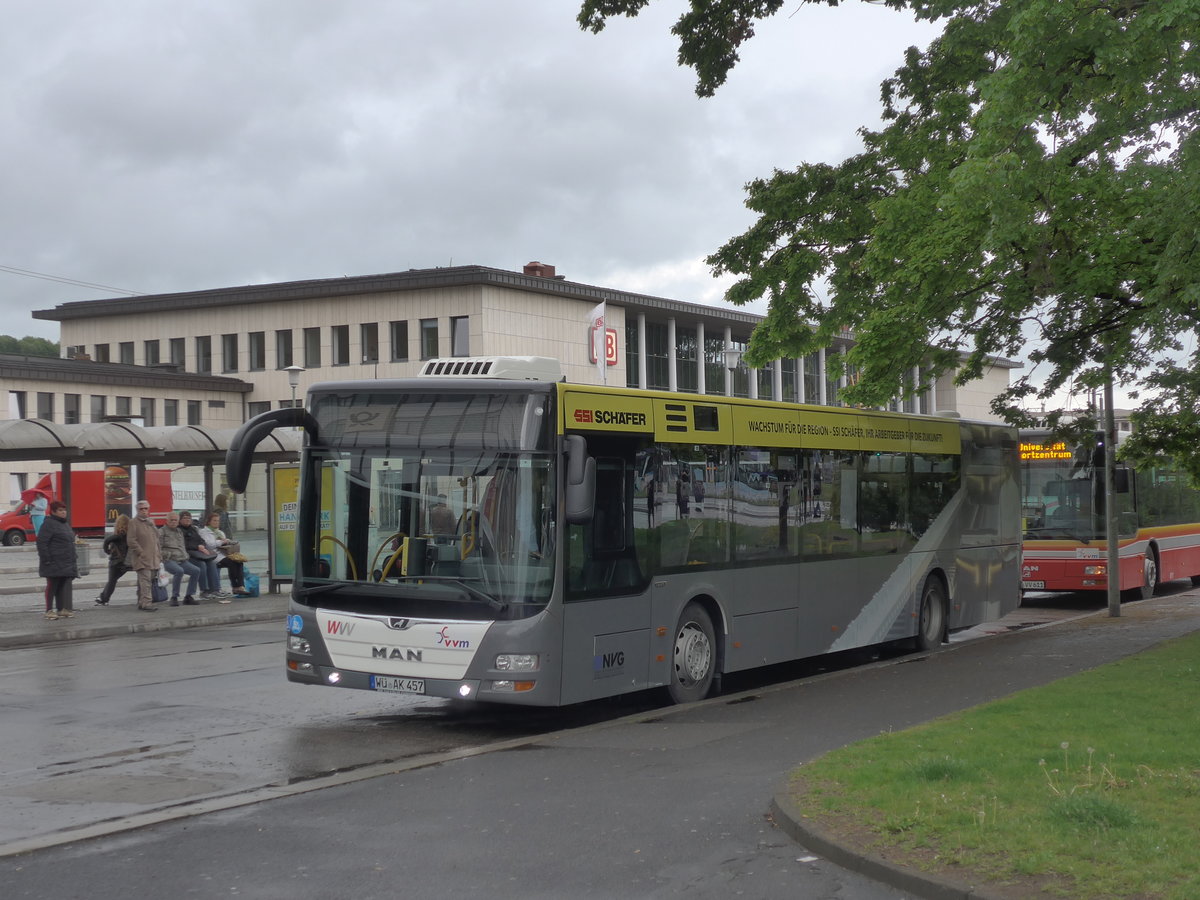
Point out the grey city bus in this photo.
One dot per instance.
(487, 531)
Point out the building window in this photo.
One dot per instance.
(631, 354)
(99, 407)
(16, 404)
(312, 348)
(45, 406)
(74, 351)
(150, 349)
(657, 361)
(283, 348)
(148, 411)
(399, 331)
(204, 355)
(125, 352)
(787, 366)
(257, 407)
(170, 412)
(125, 407)
(71, 409)
(101, 354)
(178, 352)
(193, 412)
(368, 335)
(339, 345)
(258, 351)
(229, 353)
(460, 336)
(714, 364)
(686, 378)
(429, 338)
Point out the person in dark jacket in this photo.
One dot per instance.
(57, 562)
(116, 546)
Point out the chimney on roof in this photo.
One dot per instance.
(540, 269)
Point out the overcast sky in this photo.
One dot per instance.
(197, 144)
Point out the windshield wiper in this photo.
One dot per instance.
(314, 589)
(469, 590)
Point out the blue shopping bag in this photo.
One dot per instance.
(250, 583)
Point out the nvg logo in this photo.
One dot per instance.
(295, 624)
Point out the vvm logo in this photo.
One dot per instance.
(453, 643)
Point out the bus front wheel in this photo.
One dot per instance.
(14, 538)
(1149, 579)
(931, 624)
(695, 656)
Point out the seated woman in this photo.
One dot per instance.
(202, 558)
(216, 540)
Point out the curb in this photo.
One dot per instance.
(55, 635)
(791, 820)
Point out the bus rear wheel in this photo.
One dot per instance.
(931, 624)
(694, 662)
(14, 538)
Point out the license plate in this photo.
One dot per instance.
(1033, 585)
(396, 685)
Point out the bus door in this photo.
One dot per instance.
(606, 613)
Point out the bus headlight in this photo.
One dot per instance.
(517, 662)
(1093, 570)
(299, 644)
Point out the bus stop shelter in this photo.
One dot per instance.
(127, 444)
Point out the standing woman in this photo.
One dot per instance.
(116, 545)
(57, 562)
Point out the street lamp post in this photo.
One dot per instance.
(293, 373)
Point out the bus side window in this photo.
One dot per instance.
(601, 557)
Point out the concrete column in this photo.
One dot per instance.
(753, 383)
(641, 320)
(822, 378)
(728, 372)
(800, 388)
(672, 357)
(777, 380)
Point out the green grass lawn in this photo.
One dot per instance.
(1088, 787)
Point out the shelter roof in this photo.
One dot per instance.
(124, 442)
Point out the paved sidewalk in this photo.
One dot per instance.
(23, 605)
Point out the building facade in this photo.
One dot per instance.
(232, 348)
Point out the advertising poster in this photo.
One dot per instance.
(118, 494)
(285, 495)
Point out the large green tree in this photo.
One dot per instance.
(1034, 190)
(27, 346)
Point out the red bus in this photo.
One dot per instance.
(1063, 507)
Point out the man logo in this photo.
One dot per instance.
(399, 624)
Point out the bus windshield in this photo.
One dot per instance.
(1063, 494)
(416, 532)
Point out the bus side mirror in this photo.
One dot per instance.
(581, 481)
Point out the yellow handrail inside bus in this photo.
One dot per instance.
(345, 549)
(399, 534)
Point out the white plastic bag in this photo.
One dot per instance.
(164, 577)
